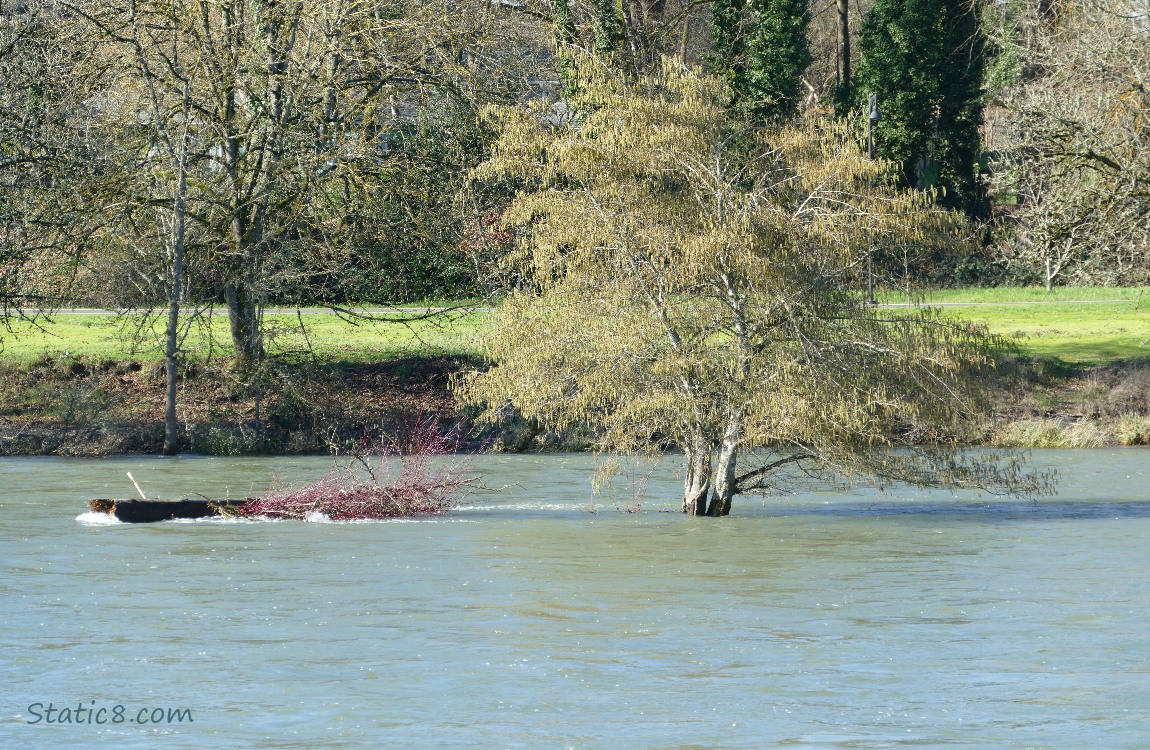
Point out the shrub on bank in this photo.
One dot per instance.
(1133, 429)
(1049, 433)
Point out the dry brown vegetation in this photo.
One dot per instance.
(1053, 407)
(75, 406)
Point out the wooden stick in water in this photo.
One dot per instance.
(137, 486)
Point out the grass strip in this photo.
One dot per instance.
(1114, 326)
(322, 336)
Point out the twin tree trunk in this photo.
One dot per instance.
(706, 493)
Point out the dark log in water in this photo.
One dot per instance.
(147, 511)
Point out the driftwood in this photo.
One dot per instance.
(423, 475)
(147, 511)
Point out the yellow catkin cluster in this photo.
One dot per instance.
(695, 285)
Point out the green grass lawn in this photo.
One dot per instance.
(328, 338)
(1084, 325)
(1018, 295)
(1080, 334)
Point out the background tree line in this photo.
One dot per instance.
(306, 152)
(695, 208)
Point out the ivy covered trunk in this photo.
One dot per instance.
(244, 317)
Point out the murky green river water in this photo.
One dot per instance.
(822, 620)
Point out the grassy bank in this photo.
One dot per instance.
(1082, 326)
(92, 384)
(1024, 295)
(314, 335)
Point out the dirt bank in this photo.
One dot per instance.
(77, 407)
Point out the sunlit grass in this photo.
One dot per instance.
(326, 337)
(1078, 325)
(1081, 325)
(1074, 333)
(1012, 295)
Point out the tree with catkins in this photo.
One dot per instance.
(689, 285)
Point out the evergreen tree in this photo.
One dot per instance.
(609, 27)
(760, 48)
(925, 60)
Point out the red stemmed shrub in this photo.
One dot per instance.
(418, 473)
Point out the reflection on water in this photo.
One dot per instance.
(821, 620)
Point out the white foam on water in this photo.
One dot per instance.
(416, 519)
(527, 506)
(98, 519)
(317, 517)
(219, 519)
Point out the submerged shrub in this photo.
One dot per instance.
(420, 474)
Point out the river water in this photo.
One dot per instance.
(819, 620)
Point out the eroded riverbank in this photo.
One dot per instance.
(80, 407)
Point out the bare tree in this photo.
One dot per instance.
(291, 110)
(47, 153)
(1078, 154)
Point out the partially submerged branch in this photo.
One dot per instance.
(421, 474)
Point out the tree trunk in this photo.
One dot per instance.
(239, 292)
(176, 270)
(725, 485)
(175, 298)
(697, 482)
(171, 424)
(244, 314)
(843, 90)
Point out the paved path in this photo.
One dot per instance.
(1011, 304)
(464, 308)
(305, 310)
